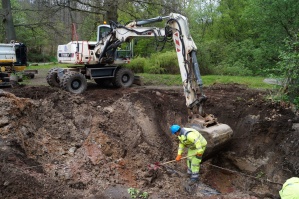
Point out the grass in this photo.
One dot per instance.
(175, 80)
(251, 82)
(45, 66)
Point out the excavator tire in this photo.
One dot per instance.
(73, 82)
(52, 78)
(124, 78)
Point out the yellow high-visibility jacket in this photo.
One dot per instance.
(290, 189)
(191, 139)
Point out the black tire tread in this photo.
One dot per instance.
(68, 77)
(118, 78)
(52, 79)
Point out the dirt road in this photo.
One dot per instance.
(98, 144)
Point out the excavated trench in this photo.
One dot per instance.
(99, 144)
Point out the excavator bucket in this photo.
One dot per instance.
(217, 135)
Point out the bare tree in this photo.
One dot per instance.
(8, 21)
(111, 7)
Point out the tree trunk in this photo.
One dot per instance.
(111, 7)
(8, 21)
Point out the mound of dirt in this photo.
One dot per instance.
(99, 144)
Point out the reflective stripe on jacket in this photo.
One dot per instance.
(191, 139)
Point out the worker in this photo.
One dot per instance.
(196, 145)
(290, 189)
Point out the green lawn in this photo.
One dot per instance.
(175, 80)
(33, 66)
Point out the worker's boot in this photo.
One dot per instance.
(188, 174)
(193, 181)
(191, 185)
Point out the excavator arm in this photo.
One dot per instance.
(189, 69)
(177, 28)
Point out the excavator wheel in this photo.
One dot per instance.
(73, 82)
(52, 78)
(124, 78)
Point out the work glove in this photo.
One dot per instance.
(199, 155)
(178, 158)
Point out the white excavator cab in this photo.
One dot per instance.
(82, 52)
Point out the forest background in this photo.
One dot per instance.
(233, 37)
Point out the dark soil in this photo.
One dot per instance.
(55, 144)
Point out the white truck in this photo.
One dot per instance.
(100, 61)
(7, 58)
(7, 53)
(13, 62)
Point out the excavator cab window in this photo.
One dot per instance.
(120, 54)
(103, 31)
(125, 51)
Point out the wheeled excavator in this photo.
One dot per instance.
(99, 61)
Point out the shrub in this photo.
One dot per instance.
(163, 63)
(158, 63)
(167, 61)
(237, 69)
(288, 69)
(137, 64)
(39, 58)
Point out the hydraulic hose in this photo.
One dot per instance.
(147, 21)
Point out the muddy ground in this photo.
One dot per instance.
(99, 144)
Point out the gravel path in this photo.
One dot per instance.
(39, 79)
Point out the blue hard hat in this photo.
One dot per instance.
(175, 128)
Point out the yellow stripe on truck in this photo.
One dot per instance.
(7, 60)
(19, 68)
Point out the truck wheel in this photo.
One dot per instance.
(52, 77)
(31, 75)
(74, 82)
(124, 78)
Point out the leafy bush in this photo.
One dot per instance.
(153, 67)
(53, 59)
(237, 69)
(210, 54)
(137, 64)
(158, 63)
(35, 55)
(234, 58)
(288, 68)
(39, 58)
(167, 61)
